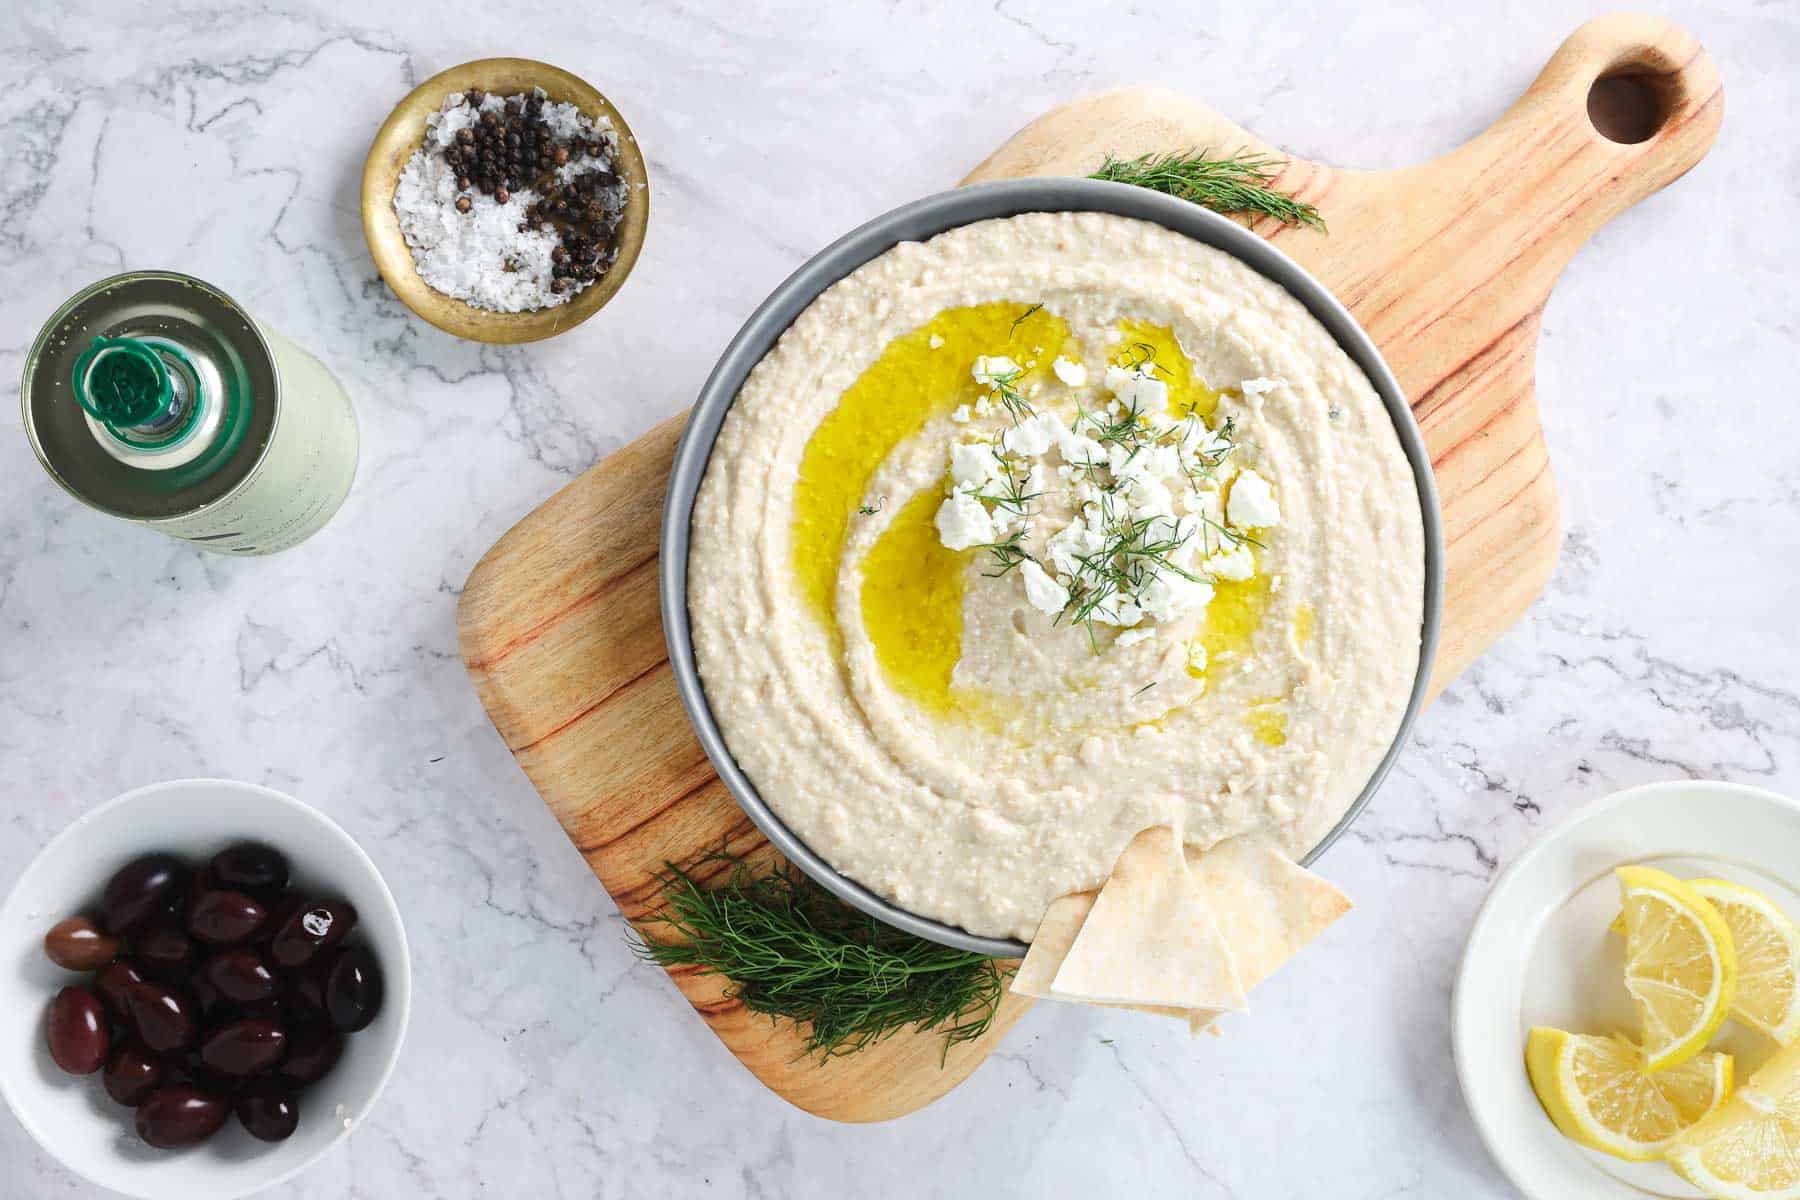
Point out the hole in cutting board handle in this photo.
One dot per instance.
(1630, 103)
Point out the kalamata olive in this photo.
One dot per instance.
(240, 975)
(78, 944)
(353, 989)
(244, 1047)
(269, 1114)
(280, 910)
(180, 1115)
(165, 1019)
(305, 992)
(114, 983)
(224, 918)
(312, 1052)
(264, 1010)
(132, 1073)
(310, 931)
(78, 1033)
(163, 949)
(141, 889)
(251, 867)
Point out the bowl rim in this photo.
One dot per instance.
(918, 221)
(399, 136)
(398, 977)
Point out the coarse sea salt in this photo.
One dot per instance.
(489, 256)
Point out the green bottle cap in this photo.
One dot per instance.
(122, 382)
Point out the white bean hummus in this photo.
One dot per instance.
(1044, 532)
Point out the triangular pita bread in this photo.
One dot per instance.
(1150, 938)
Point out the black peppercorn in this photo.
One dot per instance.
(463, 204)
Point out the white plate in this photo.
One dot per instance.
(1540, 954)
(72, 1118)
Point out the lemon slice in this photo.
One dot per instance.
(1750, 1148)
(1680, 966)
(1597, 1092)
(1768, 957)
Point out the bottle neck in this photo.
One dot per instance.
(147, 399)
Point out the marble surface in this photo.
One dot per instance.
(226, 140)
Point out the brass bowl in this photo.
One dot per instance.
(401, 134)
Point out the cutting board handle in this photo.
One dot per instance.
(1658, 89)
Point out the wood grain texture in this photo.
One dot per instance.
(1447, 265)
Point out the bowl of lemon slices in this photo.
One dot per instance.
(1627, 1016)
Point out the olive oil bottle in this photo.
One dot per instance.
(155, 398)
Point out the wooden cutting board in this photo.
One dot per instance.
(1447, 265)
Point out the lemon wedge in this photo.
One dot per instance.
(1768, 957)
(1680, 965)
(1597, 1092)
(1750, 1148)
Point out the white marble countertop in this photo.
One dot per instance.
(227, 141)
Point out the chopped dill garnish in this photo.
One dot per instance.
(1021, 319)
(869, 510)
(1008, 553)
(1005, 387)
(1143, 689)
(1237, 184)
(794, 952)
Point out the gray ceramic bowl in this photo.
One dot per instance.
(916, 222)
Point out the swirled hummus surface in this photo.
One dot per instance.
(1043, 532)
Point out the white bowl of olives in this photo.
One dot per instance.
(208, 985)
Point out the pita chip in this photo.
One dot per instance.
(1150, 938)
(1267, 906)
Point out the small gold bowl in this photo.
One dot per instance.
(403, 132)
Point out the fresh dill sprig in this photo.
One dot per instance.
(1021, 319)
(1008, 553)
(1237, 184)
(869, 510)
(794, 952)
(1005, 387)
(1012, 494)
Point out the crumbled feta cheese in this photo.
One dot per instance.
(1196, 656)
(990, 369)
(963, 522)
(972, 465)
(1252, 502)
(1146, 393)
(961, 415)
(1042, 592)
(1237, 563)
(1132, 637)
(1071, 373)
(1030, 437)
(1069, 543)
(1255, 389)
(1168, 596)
(937, 341)
(983, 407)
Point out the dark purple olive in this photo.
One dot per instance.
(270, 1010)
(251, 867)
(78, 944)
(269, 1114)
(353, 989)
(132, 1073)
(244, 1047)
(78, 1033)
(165, 1019)
(310, 931)
(163, 949)
(305, 992)
(114, 983)
(223, 918)
(181, 1115)
(312, 1052)
(141, 889)
(280, 910)
(240, 975)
